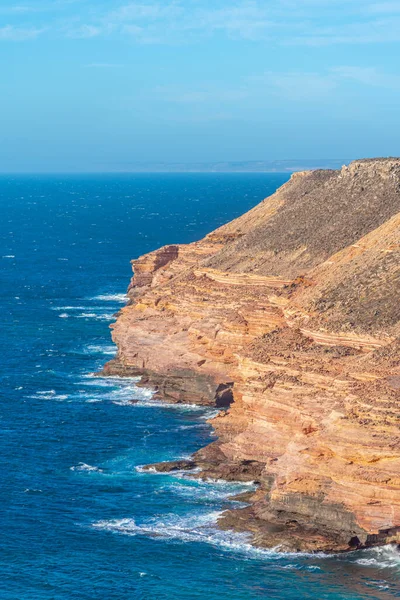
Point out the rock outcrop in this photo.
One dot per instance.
(288, 318)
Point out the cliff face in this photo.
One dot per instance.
(290, 315)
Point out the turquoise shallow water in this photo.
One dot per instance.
(79, 519)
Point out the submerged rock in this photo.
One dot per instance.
(171, 466)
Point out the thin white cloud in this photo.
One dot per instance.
(312, 86)
(21, 9)
(136, 11)
(310, 22)
(367, 32)
(301, 86)
(10, 33)
(384, 8)
(308, 87)
(288, 22)
(38, 6)
(367, 76)
(200, 95)
(364, 75)
(84, 31)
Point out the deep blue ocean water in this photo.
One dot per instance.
(78, 518)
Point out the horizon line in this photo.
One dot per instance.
(195, 167)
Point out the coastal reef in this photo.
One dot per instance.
(287, 319)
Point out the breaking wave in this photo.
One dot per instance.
(88, 315)
(188, 528)
(68, 308)
(120, 391)
(122, 298)
(100, 349)
(198, 528)
(384, 557)
(208, 492)
(49, 395)
(87, 468)
(96, 316)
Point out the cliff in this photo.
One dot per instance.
(289, 316)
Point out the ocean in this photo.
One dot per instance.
(79, 519)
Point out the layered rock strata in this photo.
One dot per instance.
(290, 316)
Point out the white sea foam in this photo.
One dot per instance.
(122, 298)
(130, 395)
(85, 315)
(210, 414)
(141, 469)
(93, 349)
(108, 380)
(194, 426)
(201, 488)
(205, 491)
(96, 316)
(8, 256)
(88, 468)
(189, 528)
(301, 567)
(127, 392)
(120, 391)
(178, 474)
(244, 484)
(68, 308)
(49, 395)
(123, 391)
(383, 557)
(150, 402)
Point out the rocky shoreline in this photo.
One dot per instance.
(287, 319)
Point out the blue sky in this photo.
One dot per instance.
(98, 85)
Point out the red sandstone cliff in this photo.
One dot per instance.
(293, 312)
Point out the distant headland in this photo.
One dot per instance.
(246, 166)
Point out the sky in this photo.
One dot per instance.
(99, 85)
